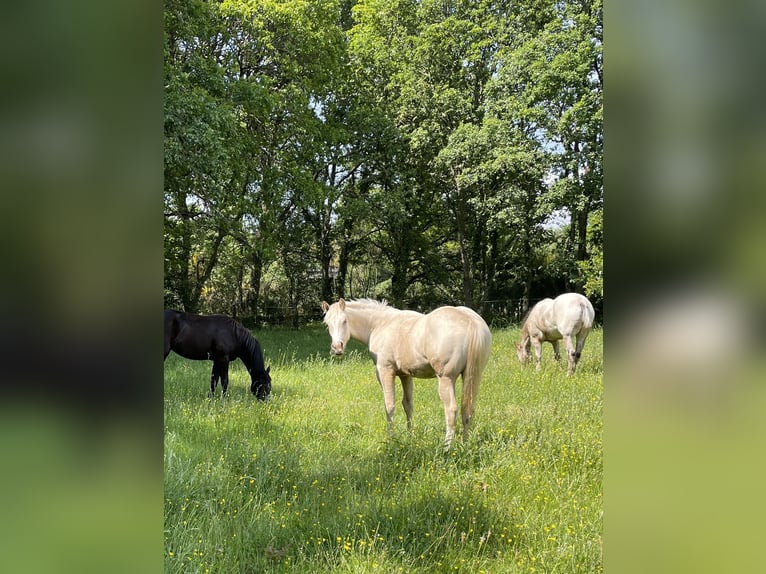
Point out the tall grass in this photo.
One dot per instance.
(310, 482)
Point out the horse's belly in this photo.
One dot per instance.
(552, 335)
(194, 354)
(195, 350)
(419, 371)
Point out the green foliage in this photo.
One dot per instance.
(309, 481)
(593, 267)
(428, 140)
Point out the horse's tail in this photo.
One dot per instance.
(479, 349)
(587, 313)
(171, 329)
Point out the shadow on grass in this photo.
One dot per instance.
(408, 500)
(404, 497)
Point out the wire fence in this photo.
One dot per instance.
(497, 313)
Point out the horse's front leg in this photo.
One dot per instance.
(407, 386)
(537, 344)
(447, 395)
(387, 379)
(556, 353)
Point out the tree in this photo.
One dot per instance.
(203, 146)
(552, 80)
(593, 267)
(425, 146)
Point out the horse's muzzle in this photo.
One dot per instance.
(261, 392)
(337, 348)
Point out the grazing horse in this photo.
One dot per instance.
(220, 339)
(568, 316)
(445, 343)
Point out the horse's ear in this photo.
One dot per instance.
(324, 306)
(342, 303)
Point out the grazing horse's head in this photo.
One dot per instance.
(522, 352)
(337, 324)
(261, 385)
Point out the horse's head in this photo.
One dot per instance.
(337, 324)
(261, 385)
(522, 352)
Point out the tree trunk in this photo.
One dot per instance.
(186, 286)
(525, 296)
(401, 267)
(207, 269)
(465, 252)
(239, 303)
(581, 245)
(466, 266)
(490, 267)
(326, 257)
(253, 297)
(343, 261)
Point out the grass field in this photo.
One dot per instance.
(310, 482)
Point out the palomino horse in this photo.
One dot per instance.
(447, 342)
(220, 339)
(568, 316)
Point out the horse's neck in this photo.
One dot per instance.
(361, 324)
(253, 360)
(525, 339)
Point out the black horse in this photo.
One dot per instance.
(220, 339)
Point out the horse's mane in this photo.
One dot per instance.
(249, 343)
(524, 326)
(369, 303)
(526, 316)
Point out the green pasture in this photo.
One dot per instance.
(310, 482)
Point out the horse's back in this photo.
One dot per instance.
(199, 337)
(537, 315)
(456, 336)
(430, 345)
(446, 323)
(540, 322)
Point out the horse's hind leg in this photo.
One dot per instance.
(224, 372)
(447, 395)
(407, 386)
(571, 354)
(214, 376)
(581, 336)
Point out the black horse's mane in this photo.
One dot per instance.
(249, 344)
